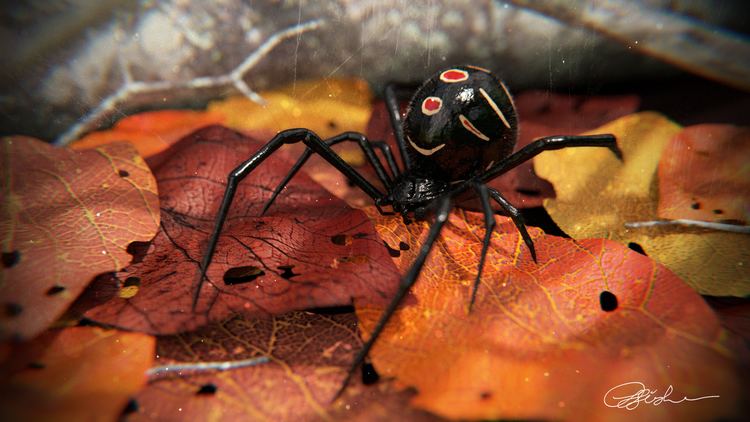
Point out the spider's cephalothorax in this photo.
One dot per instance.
(459, 123)
(458, 134)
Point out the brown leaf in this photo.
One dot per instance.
(597, 195)
(75, 374)
(703, 174)
(547, 340)
(308, 356)
(66, 217)
(310, 250)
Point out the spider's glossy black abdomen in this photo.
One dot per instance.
(460, 122)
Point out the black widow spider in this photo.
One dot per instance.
(458, 133)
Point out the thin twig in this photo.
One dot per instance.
(734, 228)
(132, 88)
(185, 369)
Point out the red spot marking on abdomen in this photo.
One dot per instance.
(454, 75)
(431, 105)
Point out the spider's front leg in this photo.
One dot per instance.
(547, 144)
(367, 147)
(289, 136)
(442, 211)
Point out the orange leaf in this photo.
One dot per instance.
(75, 374)
(151, 132)
(66, 217)
(308, 355)
(704, 174)
(542, 341)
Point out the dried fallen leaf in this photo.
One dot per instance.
(308, 355)
(597, 195)
(66, 217)
(310, 250)
(75, 374)
(547, 340)
(704, 175)
(151, 132)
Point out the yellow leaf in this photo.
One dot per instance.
(596, 195)
(327, 107)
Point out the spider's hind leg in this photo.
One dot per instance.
(517, 219)
(489, 226)
(441, 217)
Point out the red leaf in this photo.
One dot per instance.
(703, 174)
(310, 250)
(66, 217)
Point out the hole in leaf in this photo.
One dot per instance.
(123, 173)
(36, 365)
(333, 310)
(608, 301)
(529, 192)
(131, 407)
(132, 281)
(403, 246)
(695, 205)
(485, 395)
(55, 290)
(207, 389)
(240, 275)
(10, 258)
(637, 248)
(287, 272)
(13, 309)
(360, 235)
(138, 250)
(718, 212)
(369, 375)
(340, 239)
(394, 253)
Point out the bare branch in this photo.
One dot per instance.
(692, 45)
(131, 89)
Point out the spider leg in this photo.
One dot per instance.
(441, 217)
(489, 226)
(364, 143)
(238, 174)
(385, 149)
(391, 103)
(550, 143)
(517, 218)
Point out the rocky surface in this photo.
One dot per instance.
(65, 59)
